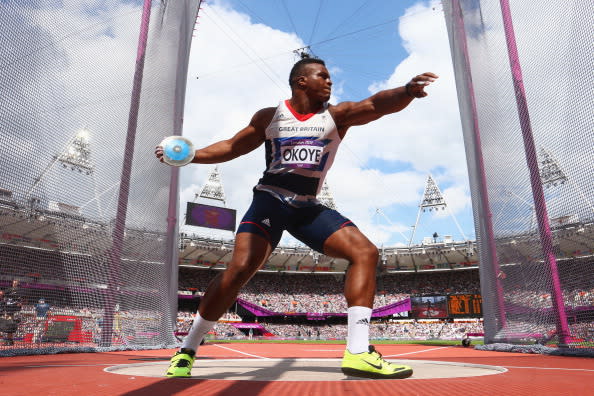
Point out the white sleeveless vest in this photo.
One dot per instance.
(300, 150)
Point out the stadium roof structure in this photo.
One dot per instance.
(34, 224)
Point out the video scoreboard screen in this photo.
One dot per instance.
(426, 307)
(210, 216)
(466, 305)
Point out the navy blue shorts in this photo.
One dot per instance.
(312, 225)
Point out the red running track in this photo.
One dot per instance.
(82, 374)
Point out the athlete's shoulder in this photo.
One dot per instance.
(338, 111)
(266, 112)
(263, 117)
(341, 107)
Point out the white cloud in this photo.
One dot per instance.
(427, 135)
(549, 53)
(223, 98)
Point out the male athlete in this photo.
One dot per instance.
(301, 137)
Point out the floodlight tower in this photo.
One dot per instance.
(76, 156)
(212, 188)
(326, 197)
(552, 175)
(432, 200)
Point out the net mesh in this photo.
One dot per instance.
(87, 214)
(527, 123)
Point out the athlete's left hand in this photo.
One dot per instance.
(416, 86)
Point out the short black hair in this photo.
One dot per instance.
(298, 68)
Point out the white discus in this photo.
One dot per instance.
(177, 150)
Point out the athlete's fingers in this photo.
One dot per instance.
(159, 153)
(425, 78)
(429, 74)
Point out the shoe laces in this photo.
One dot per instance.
(373, 351)
(183, 363)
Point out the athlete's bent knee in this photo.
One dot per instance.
(240, 273)
(370, 252)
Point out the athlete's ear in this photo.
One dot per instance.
(301, 81)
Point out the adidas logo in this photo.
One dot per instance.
(364, 321)
(266, 221)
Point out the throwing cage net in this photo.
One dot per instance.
(88, 235)
(524, 76)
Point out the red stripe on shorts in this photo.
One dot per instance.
(257, 225)
(345, 223)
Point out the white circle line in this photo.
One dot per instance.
(415, 352)
(496, 369)
(243, 353)
(550, 368)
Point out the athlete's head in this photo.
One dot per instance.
(311, 75)
(300, 69)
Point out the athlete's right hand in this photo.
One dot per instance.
(159, 153)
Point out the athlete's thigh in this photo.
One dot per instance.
(250, 252)
(313, 226)
(266, 217)
(349, 243)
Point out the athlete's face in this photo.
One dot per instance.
(318, 81)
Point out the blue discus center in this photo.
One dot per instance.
(177, 149)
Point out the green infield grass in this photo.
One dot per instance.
(374, 342)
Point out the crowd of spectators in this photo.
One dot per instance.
(128, 324)
(300, 293)
(322, 293)
(409, 330)
(536, 296)
(185, 319)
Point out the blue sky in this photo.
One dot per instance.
(241, 54)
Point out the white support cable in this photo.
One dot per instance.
(42, 175)
(498, 215)
(284, 3)
(347, 19)
(214, 13)
(282, 88)
(409, 241)
(581, 193)
(456, 221)
(510, 193)
(414, 230)
(315, 25)
(240, 65)
(49, 166)
(379, 211)
(97, 196)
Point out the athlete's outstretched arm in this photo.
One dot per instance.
(246, 140)
(347, 114)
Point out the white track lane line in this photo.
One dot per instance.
(70, 365)
(243, 353)
(325, 350)
(548, 368)
(412, 353)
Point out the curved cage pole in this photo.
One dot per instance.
(546, 237)
(115, 253)
(485, 221)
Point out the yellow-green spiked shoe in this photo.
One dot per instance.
(180, 365)
(372, 365)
